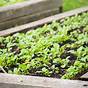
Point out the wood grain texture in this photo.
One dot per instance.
(15, 81)
(25, 11)
(26, 19)
(27, 8)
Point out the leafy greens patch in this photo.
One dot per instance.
(59, 49)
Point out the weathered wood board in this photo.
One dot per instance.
(27, 11)
(15, 81)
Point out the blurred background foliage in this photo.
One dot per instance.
(72, 4)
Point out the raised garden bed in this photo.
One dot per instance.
(57, 49)
(27, 11)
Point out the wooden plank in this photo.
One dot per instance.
(27, 8)
(16, 81)
(25, 19)
(35, 24)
